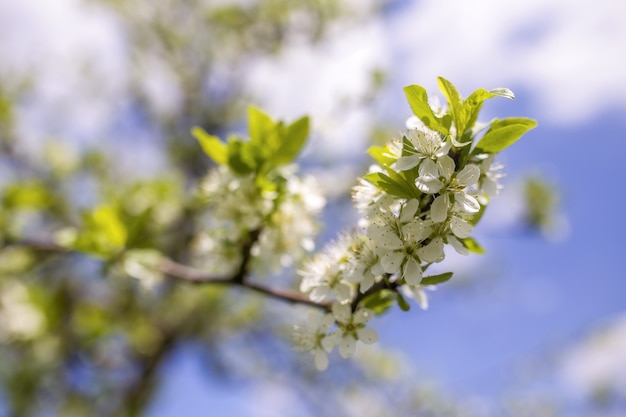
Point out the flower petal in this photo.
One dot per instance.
(392, 261)
(428, 167)
(457, 245)
(362, 316)
(446, 167)
(329, 342)
(412, 272)
(466, 203)
(407, 162)
(460, 227)
(367, 335)
(428, 184)
(408, 211)
(347, 346)
(320, 359)
(433, 252)
(468, 175)
(439, 208)
(343, 292)
(342, 312)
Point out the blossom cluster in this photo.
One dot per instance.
(428, 190)
(282, 209)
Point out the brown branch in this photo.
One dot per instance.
(192, 275)
(195, 276)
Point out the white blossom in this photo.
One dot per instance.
(399, 240)
(309, 337)
(350, 329)
(323, 275)
(426, 145)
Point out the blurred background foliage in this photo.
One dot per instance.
(78, 336)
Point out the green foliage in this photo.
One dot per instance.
(380, 301)
(503, 133)
(472, 245)
(103, 233)
(393, 184)
(436, 279)
(272, 144)
(26, 195)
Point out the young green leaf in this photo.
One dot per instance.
(292, 139)
(472, 245)
(380, 301)
(455, 104)
(402, 303)
(260, 126)
(241, 156)
(436, 279)
(211, 145)
(503, 133)
(381, 155)
(391, 186)
(418, 100)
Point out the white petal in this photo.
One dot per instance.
(412, 272)
(422, 299)
(362, 315)
(392, 261)
(320, 359)
(347, 346)
(460, 227)
(368, 281)
(408, 211)
(343, 292)
(385, 238)
(342, 312)
(433, 252)
(407, 162)
(428, 184)
(367, 335)
(415, 230)
(329, 342)
(468, 175)
(439, 208)
(428, 167)
(457, 245)
(319, 294)
(325, 323)
(446, 167)
(467, 203)
(445, 148)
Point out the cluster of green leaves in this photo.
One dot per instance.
(272, 144)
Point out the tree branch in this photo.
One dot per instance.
(176, 270)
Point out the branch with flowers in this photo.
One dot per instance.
(427, 190)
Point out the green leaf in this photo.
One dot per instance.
(502, 92)
(103, 232)
(455, 104)
(390, 186)
(472, 245)
(292, 140)
(418, 100)
(241, 156)
(380, 301)
(503, 133)
(402, 303)
(260, 126)
(381, 155)
(436, 279)
(211, 145)
(30, 195)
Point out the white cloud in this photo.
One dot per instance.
(599, 361)
(567, 53)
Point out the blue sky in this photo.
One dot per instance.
(529, 297)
